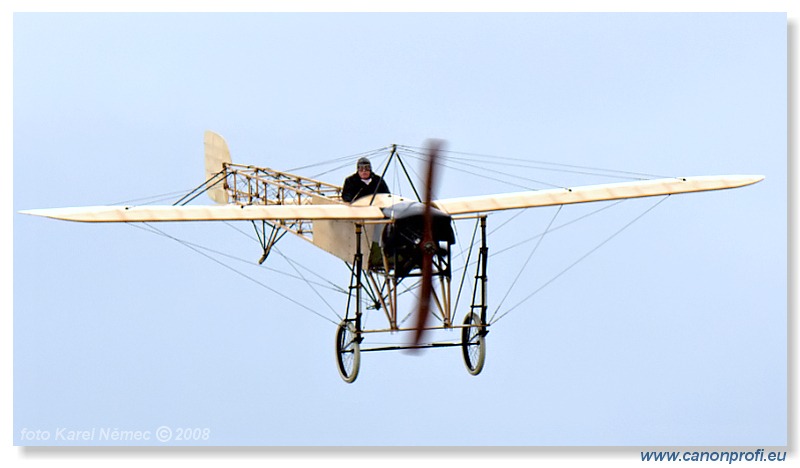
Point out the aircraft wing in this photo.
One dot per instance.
(591, 193)
(148, 213)
(452, 206)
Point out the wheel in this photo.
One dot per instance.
(473, 343)
(348, 351)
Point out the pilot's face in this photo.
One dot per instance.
(364, 171)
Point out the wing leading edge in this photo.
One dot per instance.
(133, 214)
(591, 193)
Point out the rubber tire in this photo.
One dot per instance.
(348, 352)
(473, 344)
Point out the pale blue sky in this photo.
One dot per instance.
(674, 333)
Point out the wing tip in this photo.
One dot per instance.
(65, 214)
(750, 179)
(35, 212)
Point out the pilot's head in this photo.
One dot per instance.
(364, 168)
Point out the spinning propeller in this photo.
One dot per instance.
(428, 245)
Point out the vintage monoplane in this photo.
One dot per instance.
(383, 238)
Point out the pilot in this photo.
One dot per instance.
(363, 182)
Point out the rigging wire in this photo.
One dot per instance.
(309, 283)
(505, 249)
(249, 262)
(483, 176)
(532, 238)
(155, 230)
(528, 163)
(579, 260)
(337, 168)
(294, 264)
(466, 262)
(348, 163)
(475, 242)
(340, 159)
(152, 198)
(483, 167)
(524, 265)
(514, 176)
(587, 171)
(333, 286)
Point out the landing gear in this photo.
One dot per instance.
(348, 351)
(473, 335)
(473, 343)
(380, 288)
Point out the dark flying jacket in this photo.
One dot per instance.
(354, 188)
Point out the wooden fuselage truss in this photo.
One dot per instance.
(376, 275)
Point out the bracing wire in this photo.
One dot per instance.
(337, 168)
(560, 226)
(573, 264)
(492, 231)
(466, 262)
(348, 158)
(151, 199)
(294, 265)
(537, 164)
(155, 230)
(485, 169)
(532, 238)
(481, 175)
(331, 285)
(527, 261)
(309, 283)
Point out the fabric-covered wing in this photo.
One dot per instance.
(132, 214)
(590, 193)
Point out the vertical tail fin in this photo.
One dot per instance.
(217, 153)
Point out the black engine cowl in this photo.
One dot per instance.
(401, 239)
